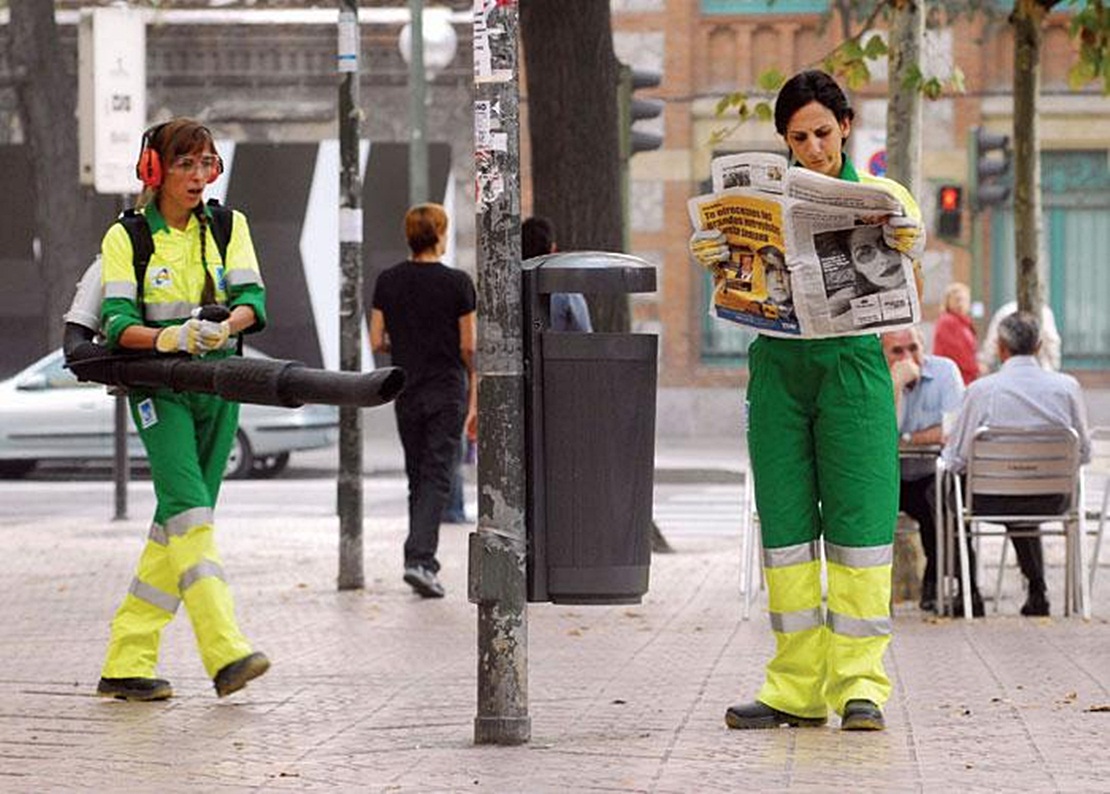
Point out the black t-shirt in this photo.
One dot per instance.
(422, 303)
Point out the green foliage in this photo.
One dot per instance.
(1090, 27)
(849, 61)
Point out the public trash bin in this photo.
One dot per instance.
(590, 434)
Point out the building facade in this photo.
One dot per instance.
(256, 80)
(709, 48)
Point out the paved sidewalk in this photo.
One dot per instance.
(374, 690)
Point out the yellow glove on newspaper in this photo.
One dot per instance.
(905, 235)
(710, 248)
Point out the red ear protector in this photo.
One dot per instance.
(148, 169)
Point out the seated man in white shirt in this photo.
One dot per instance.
(926, 388)
(1048, 355)
(1020, 394)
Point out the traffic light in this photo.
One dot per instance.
(950, 208)
(989, 172)
(634, 108)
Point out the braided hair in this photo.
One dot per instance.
(208, 294)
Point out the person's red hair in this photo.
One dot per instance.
(425, 225)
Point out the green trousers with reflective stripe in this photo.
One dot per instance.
(188, 438)
(823, 444)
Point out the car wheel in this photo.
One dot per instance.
(14, 469)
(270, 466)
(241, 460)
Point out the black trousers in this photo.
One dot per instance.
(918, 500)
(1030, 551)
(430, 422)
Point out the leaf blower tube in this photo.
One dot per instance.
(289, 384)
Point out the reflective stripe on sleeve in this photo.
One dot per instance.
(241, 276)
(158, 534)
(174, 310)
(153, 596)
(202, 570)
(121, 289)
(790, 555)
(787, 622)
(860, 556)
(183, 522)
(859, 627)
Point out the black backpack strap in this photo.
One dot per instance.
(220, 224)
(222, 219)
(142, 248)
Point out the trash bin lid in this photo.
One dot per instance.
(591, 271)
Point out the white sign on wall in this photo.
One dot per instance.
(112, 101)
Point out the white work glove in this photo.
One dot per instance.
(213, 335)
(193, 337)
(905, 235)
(183, 338)
(710, 248)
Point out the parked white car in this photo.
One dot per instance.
(47, 414)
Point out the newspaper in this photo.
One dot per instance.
(807, 256)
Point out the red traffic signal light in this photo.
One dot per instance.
(949, 210)
(950, 196)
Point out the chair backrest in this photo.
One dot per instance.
(1007, 461)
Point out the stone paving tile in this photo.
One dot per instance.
(373, 690)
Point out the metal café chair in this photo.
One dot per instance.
(1023, 462)
(750, 547)
(1098, 471)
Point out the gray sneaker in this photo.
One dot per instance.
(424, 582)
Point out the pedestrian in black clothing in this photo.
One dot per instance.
(424, 315)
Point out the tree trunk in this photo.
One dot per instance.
(572, 76)
(47, 103)
(1028, 22)
(903, 114)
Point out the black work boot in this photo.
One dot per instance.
(134, 688)
(757, 715)
(234, 676)
(862, 715)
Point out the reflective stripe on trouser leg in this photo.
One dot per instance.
(204, 590)
(150, 603)
(780, 444)
(859, 623)
(187, 448)
(857, 468)
(794, 679)
(822, 431)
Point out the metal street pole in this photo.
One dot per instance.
(349, 485)
(418, 142)
(498, 547)
(121, 463)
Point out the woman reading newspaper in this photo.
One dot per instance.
(824, 451)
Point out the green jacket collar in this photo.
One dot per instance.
(157, 223)
(847, 170)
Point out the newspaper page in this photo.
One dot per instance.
(807, 255)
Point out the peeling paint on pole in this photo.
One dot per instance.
(497, 550)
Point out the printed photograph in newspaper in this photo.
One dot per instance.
(753, 287)
(864, 278)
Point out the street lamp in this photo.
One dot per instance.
(428, 44)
